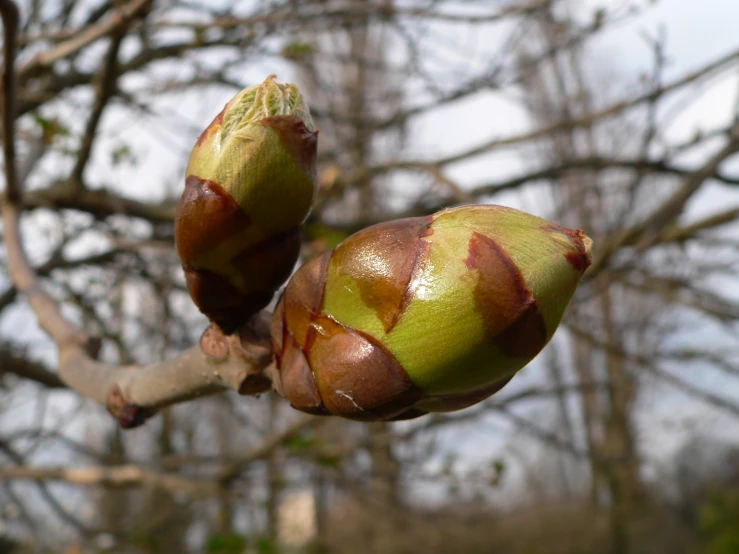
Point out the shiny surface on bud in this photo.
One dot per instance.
(250, 184)
(430, 314)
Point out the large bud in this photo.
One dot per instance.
(250, 184)
(424, 314)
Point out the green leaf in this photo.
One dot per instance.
(300, 442)
(265, 545)
(226, 543)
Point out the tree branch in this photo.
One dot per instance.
(87, 36)
(218, 363)
(107, 80)
(647, 232)
(118, 476)
(131, 393)
(13, 363)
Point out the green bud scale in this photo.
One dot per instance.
(424, 314)
(249, 187)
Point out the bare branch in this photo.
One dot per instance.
(233, 468)
(10, 30)
(98, 202)
(118, 476)
(19, 267)
(569, 123)
(647, 232)
(106, 88)
(11, 363)
(132, 394)
(662, 374)
(117, 19)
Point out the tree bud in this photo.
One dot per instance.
(424, 314)
(250, 183)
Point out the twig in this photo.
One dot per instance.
(19, 267)
(118, 476)
(132, 393)
(89, 35)
(647, 232)
(10, 30)
(108, 78)
(235, 467)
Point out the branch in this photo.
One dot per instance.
(360, 11)
(106, 88)
(10, 30)
(647, 232)
(19, 267)
(235, 467)
(57, 261)
(134, 393)
(118, 476)
(593, 163)
(117, 19)
(678, 234)
(99, 203)
(46, 494)
(568, 124)
(131, 393)
(27, 369)
(135, 475)
(651, 367)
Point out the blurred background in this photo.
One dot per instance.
(619, 117)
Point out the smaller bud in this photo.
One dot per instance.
(250, 184)
(424, 314)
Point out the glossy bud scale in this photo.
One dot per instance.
(424, 314)
(250, 183)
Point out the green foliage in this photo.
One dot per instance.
(123, 153)
(300, 442)
(329, 237)
(265, 545)
(328, 460)
(297, 50)
(50, 127)
(226, 543)
(498, 470)
(719, 522)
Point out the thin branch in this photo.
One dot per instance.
(652, 368)
(19, 267)
(131, 393)
(593, 163)
(678, 234)
(107, 81)
(359, 11)
(44, 490)
(10, 30)
(117, 476)
(87, 36)
(100, 203)
(647, 232)
(28, 369)
(567, 124)
(234, 467)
